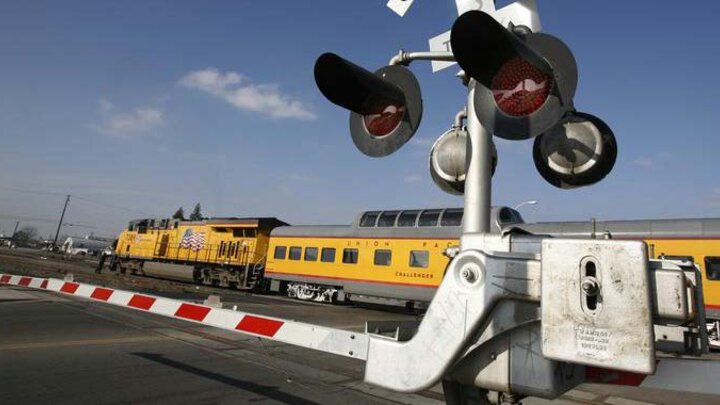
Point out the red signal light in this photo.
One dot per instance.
(388, 118)
(519, 88)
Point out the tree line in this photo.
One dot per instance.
(195, 215)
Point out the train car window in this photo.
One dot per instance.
(327, 255)
(407, 218)
(452, 217)
(368, 219)
(295, 252)
(387, 218)
(237, 232)
(280, 252)
(350, 256)
(383, 257)
(250, 233)
(311, 254)
(429, 218)
(419, 258)
(712, 268)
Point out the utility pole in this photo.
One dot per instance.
(12, 238)
(57, 233)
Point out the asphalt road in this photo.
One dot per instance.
(63, 350)
(57, 349)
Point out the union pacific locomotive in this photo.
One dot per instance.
(387, 257)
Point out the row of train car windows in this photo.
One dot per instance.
(450, 217)
(383, 257)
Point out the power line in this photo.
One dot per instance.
(78, 197)
(32, 191)
(110, 205)
(44, 220)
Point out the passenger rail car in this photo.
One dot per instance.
(384, 257)
(228, 252)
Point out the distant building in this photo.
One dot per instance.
(84, 246)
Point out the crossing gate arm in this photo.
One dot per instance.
(330, 340)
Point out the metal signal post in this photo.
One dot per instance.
(478, 177)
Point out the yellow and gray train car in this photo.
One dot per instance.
(228, 252)
(384, 257)
(397, 257)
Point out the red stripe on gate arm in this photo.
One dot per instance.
(25, 281)
(141, 302)
(102, 294)
(259, 326)
(194, 312)
(5, 279)
(70, 288)
(614, 377)
(44, 284)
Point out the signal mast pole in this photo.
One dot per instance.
(478, 177)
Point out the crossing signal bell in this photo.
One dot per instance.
(448, 163)
(385, 106)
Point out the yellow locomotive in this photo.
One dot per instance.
(227, 252)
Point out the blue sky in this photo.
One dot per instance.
(140, 107)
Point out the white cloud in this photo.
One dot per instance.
(240, 92)
(411, 179)
(644, 162)
(139, 121)
(105, 105)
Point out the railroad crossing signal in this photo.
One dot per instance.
(385, 106)
(526, 80)
(525, 84)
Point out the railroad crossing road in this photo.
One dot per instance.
(64, 350)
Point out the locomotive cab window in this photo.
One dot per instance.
(712, 268)
(419, 258)
(311, 254)
(350, 256)
(295, 253)
(327, 255)
(280, 252)
(383, 257)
